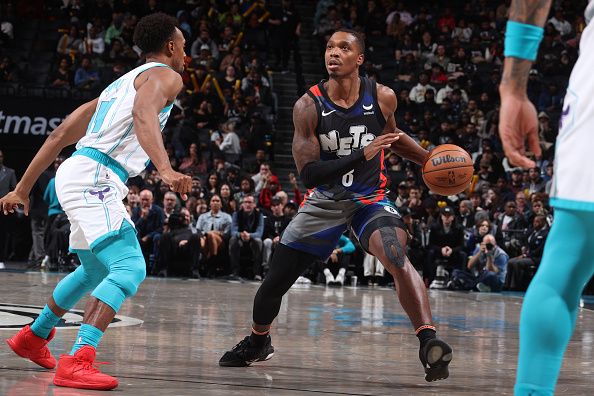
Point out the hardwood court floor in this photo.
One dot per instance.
(350, 341)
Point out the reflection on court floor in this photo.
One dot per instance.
(349, 341)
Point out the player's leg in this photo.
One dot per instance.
(122, 255)
(31, 341)
(552, 301)
(312, 234)
(382, 233)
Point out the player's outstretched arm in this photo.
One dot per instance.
(70, 131)
(306, 148)
(155, 88)
(517, 117)
(406, 147)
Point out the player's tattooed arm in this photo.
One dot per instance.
(306, 147)
(515, 70)
(405, 146)
(70, 131)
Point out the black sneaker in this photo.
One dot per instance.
(435, 356)
(244, 354)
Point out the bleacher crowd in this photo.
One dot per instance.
(444, 61)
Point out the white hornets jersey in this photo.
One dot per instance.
(111, 129)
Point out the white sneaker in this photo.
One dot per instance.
(302, 280)
(2, 266)
(329, 276)
(340, 277)
(483, 288)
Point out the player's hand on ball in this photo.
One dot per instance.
(380, 143)
(178, 182)
(518, 123)
(11, 201)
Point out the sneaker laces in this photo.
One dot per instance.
(241, 343)
(90, 365)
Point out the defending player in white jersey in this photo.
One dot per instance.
(552, 300)
(117, 134)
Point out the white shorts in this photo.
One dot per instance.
(573, 180)
(91, 194)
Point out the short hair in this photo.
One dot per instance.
(153, 31)
(358, 37)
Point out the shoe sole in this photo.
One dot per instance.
(82, 385)
(439, 357)
(13, 347)
(242, 363)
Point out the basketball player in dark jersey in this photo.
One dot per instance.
(342, 127)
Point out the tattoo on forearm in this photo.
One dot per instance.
(516, 71)
(533, 12)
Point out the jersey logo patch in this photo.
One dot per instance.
(367, 108)
(390, 209)
(324, 114)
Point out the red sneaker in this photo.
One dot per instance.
(78, 372)
(28, 345)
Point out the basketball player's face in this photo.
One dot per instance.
(343, 56)
(178, 54)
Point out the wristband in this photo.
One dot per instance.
(522, 40)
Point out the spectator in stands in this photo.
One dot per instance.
(114, 31)
(204, 39)
(133, 197)
(7, 184)
(229, 143)
(9, 71)
(148, 220)
(193, 163)
(179, 248)
(274, 225)
(417, 93)
(246, 231)
(215, 228)
(536, 184)
(269, 189)
(338, 262)
(446, 244)
(488, 262)
(86, 77)
(561, 24)
(62, 77)
(246, 188)
(212, 185)
(170, 204)
(285, 29)
(520, 269)
(228, 204)
(69, 42)
(93, 45)
(260, 177)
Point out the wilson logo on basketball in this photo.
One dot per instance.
(447, 159)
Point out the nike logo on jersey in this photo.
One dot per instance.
(367, 108)
(324, 114)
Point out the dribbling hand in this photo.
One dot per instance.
(380, 143)
(11, 201)
(517, 124)
(178, 182)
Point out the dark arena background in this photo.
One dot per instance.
(231, 130)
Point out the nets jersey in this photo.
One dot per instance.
(340, 131)
(111, 129)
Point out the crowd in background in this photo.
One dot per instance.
(444, 62)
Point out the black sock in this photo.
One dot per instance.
(426, 335)
(258, 340)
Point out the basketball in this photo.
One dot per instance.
(448, 170)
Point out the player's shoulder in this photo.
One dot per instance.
(304, 105)
(386, 96)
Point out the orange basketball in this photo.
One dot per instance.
(448, 170)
